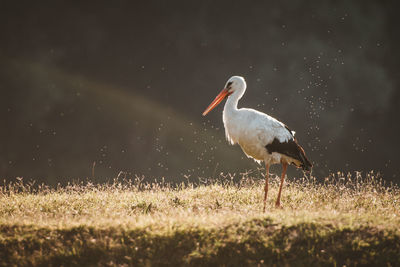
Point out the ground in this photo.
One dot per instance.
(345, 220)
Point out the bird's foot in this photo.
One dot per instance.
(278, 205)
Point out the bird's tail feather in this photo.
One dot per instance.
(306, 165)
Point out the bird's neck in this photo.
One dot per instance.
(231, 104)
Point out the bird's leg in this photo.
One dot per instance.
(266, 184)
(278, 200)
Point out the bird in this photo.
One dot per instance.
(261, 137)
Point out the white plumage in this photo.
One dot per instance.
(260, 136)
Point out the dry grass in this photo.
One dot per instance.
(348, 220)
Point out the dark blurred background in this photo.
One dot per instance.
(95, 88)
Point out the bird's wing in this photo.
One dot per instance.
(291, 149)
(269, 128)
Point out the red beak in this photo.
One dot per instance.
(221, 96)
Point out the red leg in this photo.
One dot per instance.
(266, 184)
(278, 200)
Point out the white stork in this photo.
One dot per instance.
(260, 136)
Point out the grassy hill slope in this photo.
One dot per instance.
(343, 221)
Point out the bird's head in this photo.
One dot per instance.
(235, 85)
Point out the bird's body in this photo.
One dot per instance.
(260, 136)
(253, 130)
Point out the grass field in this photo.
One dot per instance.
(345, 220)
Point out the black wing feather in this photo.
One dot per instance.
(292, 149)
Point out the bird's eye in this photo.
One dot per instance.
(229, 84)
